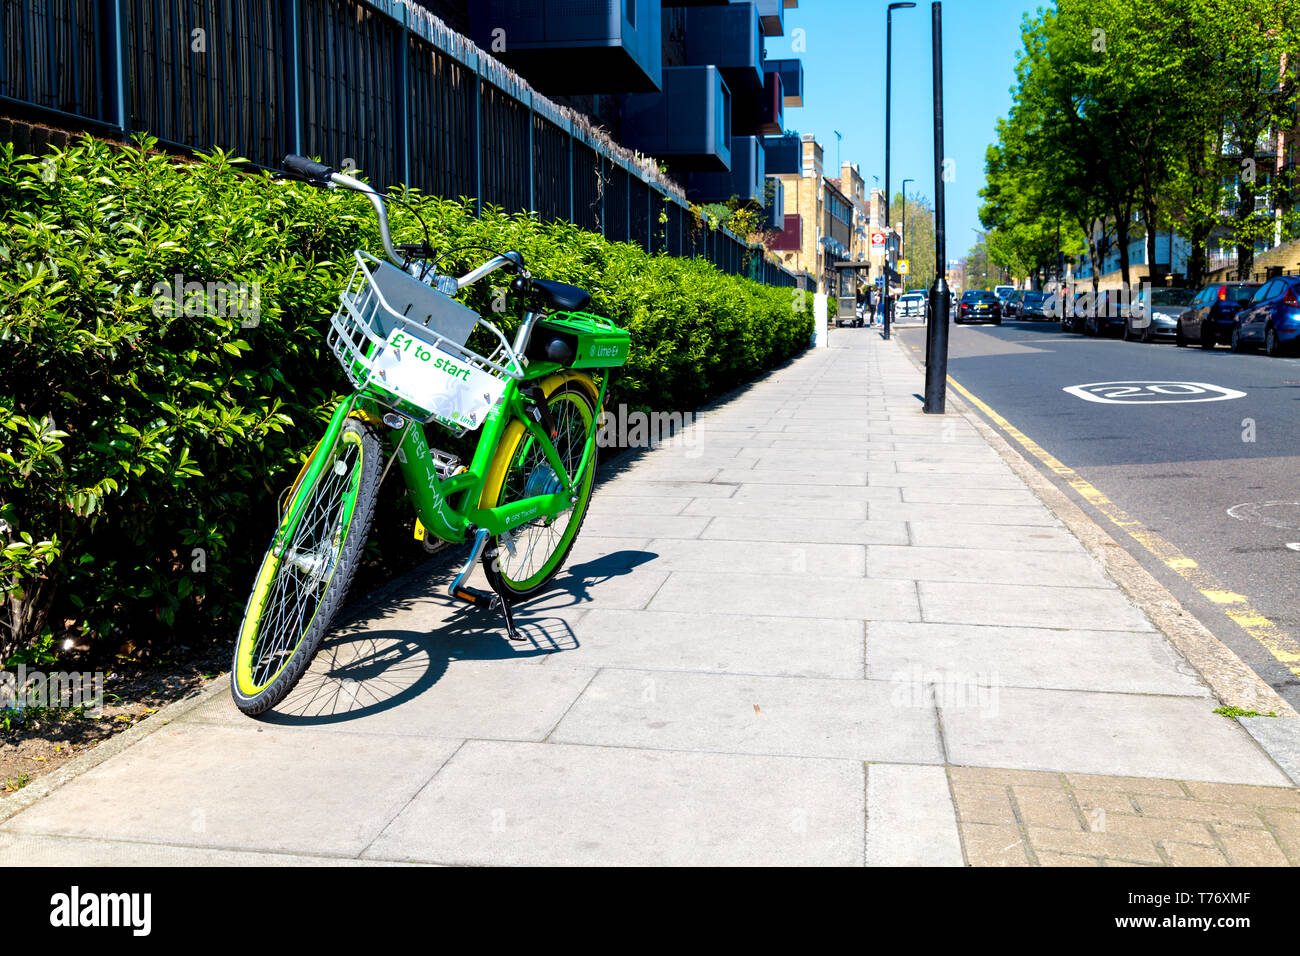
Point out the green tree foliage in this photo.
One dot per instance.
(1153, 106)
(142, 447)
(917, 216)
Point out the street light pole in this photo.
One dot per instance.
(889, 50)
(936, 365)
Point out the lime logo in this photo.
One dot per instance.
(591, 351)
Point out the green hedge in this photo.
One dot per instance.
(141, 454)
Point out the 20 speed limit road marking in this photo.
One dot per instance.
(1152, 393)
(1236, 606)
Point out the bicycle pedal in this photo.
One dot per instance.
(474, 596)
(445, 463)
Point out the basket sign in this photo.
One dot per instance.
(455, 393)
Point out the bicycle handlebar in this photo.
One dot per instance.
(320, 175)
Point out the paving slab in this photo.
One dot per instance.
(815, 530)
(985, 566)
(849, 719)
(720, 643)
(1020, 515)
(456, 698)
(244, 788)
(935, 534)
(745, 505)
(560, 804)
(1127, 734)
(785, 596)
(1026, 605)
(1128, 662)
(910, 817)
(707, 555)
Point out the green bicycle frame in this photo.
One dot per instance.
(433, 496)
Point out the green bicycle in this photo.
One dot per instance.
(416, 356)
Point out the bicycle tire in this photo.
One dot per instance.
(256, 683)
(508, 481)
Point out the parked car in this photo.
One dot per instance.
(1271, 320)
(976, 305)
(1033, 306)
(1003, 293)
(1011, 305)
(912, 304)
(1108, 314)
(1157, 312)
(1213, 314)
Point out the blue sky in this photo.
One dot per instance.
(844, 89)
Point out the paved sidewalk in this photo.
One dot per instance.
(821, 629)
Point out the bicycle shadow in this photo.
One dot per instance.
(361, 670)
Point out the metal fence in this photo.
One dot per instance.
(377, 83)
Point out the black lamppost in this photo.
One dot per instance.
(889, 52)
(936, 352)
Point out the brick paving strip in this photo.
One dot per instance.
(1018, 817)
(820, 628)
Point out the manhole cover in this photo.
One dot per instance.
(1275, 514)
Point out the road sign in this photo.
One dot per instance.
(904, 268)
(877, 239)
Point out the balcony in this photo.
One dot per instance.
(772, 15)
(791, 73)
(730, 38)
(760, 113)
(612, 46)
(783, 155)
(688, 124)
(745, 179)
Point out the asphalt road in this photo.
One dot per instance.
(1218, 479)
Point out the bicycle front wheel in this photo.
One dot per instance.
(520, 470)
(302, 582)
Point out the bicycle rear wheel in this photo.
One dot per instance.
(301, 585)
(520, 470)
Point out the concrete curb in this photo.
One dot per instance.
(1228, 677)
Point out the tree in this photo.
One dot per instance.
(917, 216)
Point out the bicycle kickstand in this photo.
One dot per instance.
(459, 589)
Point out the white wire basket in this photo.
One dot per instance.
(404, 341)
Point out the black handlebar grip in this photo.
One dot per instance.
(516, 258)
(300, 167)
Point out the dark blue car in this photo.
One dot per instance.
(1213, 314)
(1271, 320)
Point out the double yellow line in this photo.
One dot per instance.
(1237, 606)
